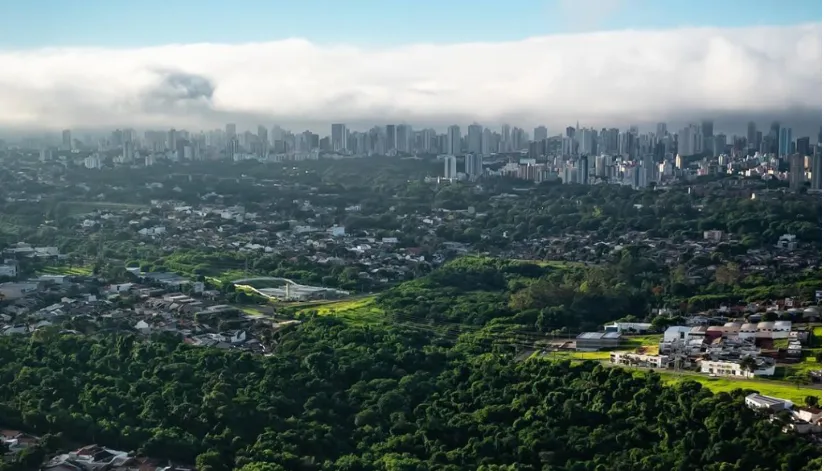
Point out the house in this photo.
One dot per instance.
(757, 401)
(591, 341)
(143, 327)
(628, 327)
(763, 367)
(8, 269)
(748, 331)
(676, 332)
(642, 361)
(10, 291)
(16, 329)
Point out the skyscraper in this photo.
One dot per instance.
(67, 139)
(797, 176)
(540, 133)
(816, 183)
(339, 137)
(171, 140)
(785, 139)
(473, 166)
(231, 131)
(391, 137)
(450, 166)
(752, 142)
(660, 130)
(474, 139)
(453, 140)
(802, 145)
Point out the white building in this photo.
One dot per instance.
(732, 368)
(641, 361)
(628, 327)
(676, 332)
(453, 140)
(757, 401)
(8, 269)
(450, 167)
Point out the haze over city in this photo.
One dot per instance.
(636, 72)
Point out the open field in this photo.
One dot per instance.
(635, 341)
(356, 311)
(764, 387)
(67, 270)
(576, 356)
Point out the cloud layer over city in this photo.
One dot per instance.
(597, 78)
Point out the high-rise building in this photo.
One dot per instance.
(453, 140)
(391, 137)
(797, 175)
(404, 139)
(339, 141)
(816, 171)
(752, 131)
(540, 133)
(802, 145)
(474, 139)
(67, 139)
(450, 166)
(785, 139)
(506, 139)
(231, 131)
(171, 140)
(660, 130)
(583, 170)
(473, 166)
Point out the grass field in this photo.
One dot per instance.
(764, 387)
(66, 270)
(576, 356)
(359, 311)
(636, 341)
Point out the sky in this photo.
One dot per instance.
(99, 63)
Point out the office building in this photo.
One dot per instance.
(797, 176)
(171, 140)
(816, 171)
(473, 166)
(752, 131)
(802, 145)
(785, 139)
(450, 166)
(231, 131)
(474, 139)
(453, 140)
(67, 139)
(339, 138)
(540, 133)
(391, 137)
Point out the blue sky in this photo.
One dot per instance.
(26, 24)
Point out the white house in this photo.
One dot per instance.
(781, 329)
(143, 327)
(733, 368)
(748, 331)
(676, 332)
(337, 231)
(628, 327)
(8, 269)
(235, 336)
(643, 361)
(16, 329)
(757, 401)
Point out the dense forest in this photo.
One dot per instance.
(337, 397)
(568, 297)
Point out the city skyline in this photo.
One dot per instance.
(602, 78)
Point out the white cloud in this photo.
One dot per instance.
(594, 77)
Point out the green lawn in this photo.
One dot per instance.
(358, 311)
(576, 356)
(635, 341)
(764, 387)
(66, 270)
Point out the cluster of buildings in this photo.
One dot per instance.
(798, 419)
(732, 349)
(158, 307)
